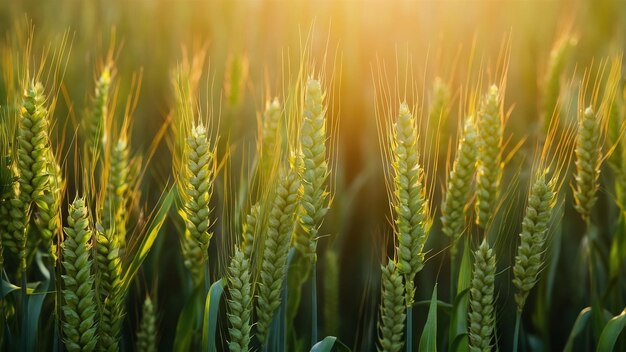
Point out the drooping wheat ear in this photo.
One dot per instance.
(271, 141)
(392, 310)
(198, 175)
(314, 169)
(558, 59)
(79, 306)
(331, 292)
(147, 331)
(109, 287)
(249, 231)
(281, 222)
(489, 126)
(588, 161)
(409, 201)
(459, 185)
(114, 213)
(481, 304)
(529, 258)
(33, 153)
(97, 120)
(240, 302)
(49, 208)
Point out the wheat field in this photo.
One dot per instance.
(312, 176)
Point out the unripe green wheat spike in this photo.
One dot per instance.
(409, 201)
(489, 126)
(193, 258)
(314, 169)
(147, 331)
(97, 121)
(240, 302)
(529, 258)
(588, 161)
(249, 230)
(109, 285)
(33, 153)
(459, 185)
(392, 310)
(79, 299)
(114, 213)
(49, 208)
(271, 140)
(279, 230)
(481, 303)
(198, 174)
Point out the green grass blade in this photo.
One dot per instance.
(211, 310)
(458, 323)
(428, 341)
(579, 326)
(163, 207)
(330, 343)
(611, 332)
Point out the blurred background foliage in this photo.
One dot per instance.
(254, 47)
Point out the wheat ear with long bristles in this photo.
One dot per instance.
(529, 258)
(79, 298)
(459, 187)
(588, 161)
(409, 199)
(98, 115)
(481, 303)
(249, 229)
(48, 218)
(392, 309)
(114, 212)
(314, 169)
(489, 168)
(276, 247)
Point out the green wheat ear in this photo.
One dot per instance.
(529, 258)
(588, 162)
(392, 310)
(199, 172)
(280, 225)
(79, 299)
(271, 137)
(49, 208)
(110, 292)
(114, 213)
(147, 331)
(314, 168)
(249, 231)
(97, 120)
(240, 302)
(489, 126)
(409, 199)
(459, 185)
(481, 303)
(33, 153)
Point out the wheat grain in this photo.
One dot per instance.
(240, 302)
(588, 161)
(481, 303)
(147, 331)
(392, 310)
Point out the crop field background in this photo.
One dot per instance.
(312, 175)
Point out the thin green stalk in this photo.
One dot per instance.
(313, 303)
(409, 328)
(518, 317)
